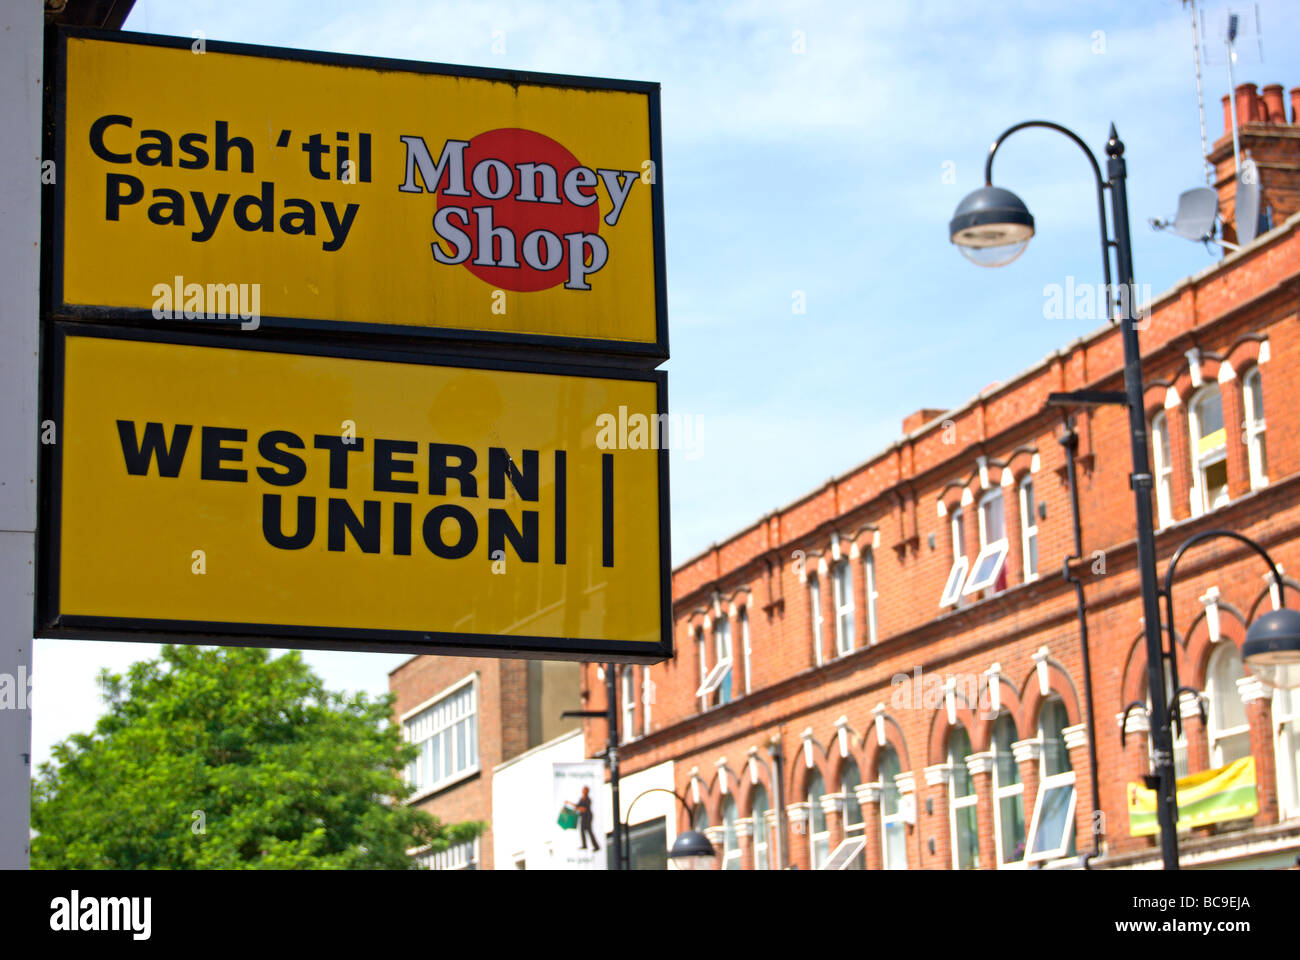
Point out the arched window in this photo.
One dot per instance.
(850, 854)
(1209, 451)
(1008, 793)
(960, 564)
(961, 803)
(760, 828)
(1163, 466)
(722, 643)
(745, 649)
(1051, 834)
(1028, 527)
(988, 572)
(1252, 389)
(819, 839)
(815, 601)
(892, 825)
(842, 581)
(869, 582)
(702, 651)
(1286, 720)
(1229, 730)
(730, 842)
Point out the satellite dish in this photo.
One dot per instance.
(1197, 210)
(1247, 204)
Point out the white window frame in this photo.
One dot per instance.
(869, 590)
(898, 817)
(1286, 748)
(855, 834)
(412, 719)
(956, 803)
(730, 854)
(842, 591)
(1163, 469)
(647, 699)
(997, 549)
(761, 831)
(702, 649)
(815, 598)
(960, 565)
(722, 648)
(627, 702)
(745, 647)
(814, 805)
(1254, 426)
(459, 856)
(1215, 733)
(1002, 792)
(1028, 527)
(1046, 784)
(1203, 461)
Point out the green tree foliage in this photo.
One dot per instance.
(224, 758)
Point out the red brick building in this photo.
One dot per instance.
(895, 658)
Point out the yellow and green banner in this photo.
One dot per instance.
(1211, 796)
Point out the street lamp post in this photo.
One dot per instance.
(991, 227)
(690, 849)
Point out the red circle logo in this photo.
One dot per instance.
(519, 211)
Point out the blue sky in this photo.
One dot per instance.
(822, 172)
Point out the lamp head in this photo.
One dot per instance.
(1271, 651)
(692, 851)
(991, 226)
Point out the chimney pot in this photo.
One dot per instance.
(1295, 105)
(1274, 105)
(1247, 103)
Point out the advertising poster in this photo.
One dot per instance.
(581, 820)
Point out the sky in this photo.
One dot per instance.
(813, 154)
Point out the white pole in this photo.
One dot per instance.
(21, 54)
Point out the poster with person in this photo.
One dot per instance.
(581, 820)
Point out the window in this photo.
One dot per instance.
(760, 829)
(1229, 731)
(718, 680)
(989, 569)
(459, 856)
(815, 598)
(730, 842)
(627, 698)
(842, 581)
(647, 700)
(869, 581)
(1164, 470)
(892, 825)
(850, 855)
(961, 803)
(446, 733)
(1008, 793)
(957, 575)
(819, 834)
(1209, 451)
(1286, 720)
(1051, 834)
(702, 651)
(1028, 528)
(1253, 393)
(745, 648)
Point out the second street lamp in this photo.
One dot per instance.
(989, 220)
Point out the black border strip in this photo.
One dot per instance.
(50, 623)
(611, 351)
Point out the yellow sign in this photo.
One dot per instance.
(1211, 796)
(205, 484)
(227, 183)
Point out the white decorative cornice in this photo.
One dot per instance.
(752, 764)
(1194, 365)
(717, 835)
(1041, 656)
(745, 827)
(1172, 399)
(967, 498)
(993, 676)
(807, 737)
(1211, 601)
(1226, 373)
(978, 763)
(942, 509)
(1263, 351)
(905, 781)
(842, 735)
(1075, 736)
(832, 803)
(868, 792)
(1035, 464)
(1136, 722)
(1250, 688)
(1008, 478)
(937, 774)
(835, 546)
(1027, 751)
(798, 812)
(878, 714)
(1190, 705)
(721, 765)
(983, 464)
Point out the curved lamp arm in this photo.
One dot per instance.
(1167, 591)
(1106, 242)
(627, 837)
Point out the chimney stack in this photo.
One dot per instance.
(1272, 142)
